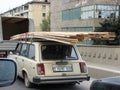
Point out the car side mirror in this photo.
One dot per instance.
(8, 72)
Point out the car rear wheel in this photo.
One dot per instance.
(28, 84)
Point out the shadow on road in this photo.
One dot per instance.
(54, 86)
(19, 85)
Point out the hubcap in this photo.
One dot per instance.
(26, 81)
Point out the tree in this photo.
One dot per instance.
(45, 26)
(109, 25)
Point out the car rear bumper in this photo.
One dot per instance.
(65, 79)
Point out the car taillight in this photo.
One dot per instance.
(83, 67)
(2, 55)
(40, 69)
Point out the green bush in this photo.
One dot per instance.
(109, 25)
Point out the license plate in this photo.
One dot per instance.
(63, 69)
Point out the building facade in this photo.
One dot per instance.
(81, 15)
(36, 10)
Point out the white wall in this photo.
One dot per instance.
(105, 55)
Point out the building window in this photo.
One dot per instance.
(87, 15)
(26, 7)
(67, 1)
(106, 11)
(15, 10)
(78, 13)
(43, 7)
(87, 12)
(25, 15)
(71, 14)
(87, 8)
(46, 0)
(21, 8)
(18, 9)
(75, 13)
(77, 29)
(21, 14)
(11, 13)
(65, 15)
(44, 14)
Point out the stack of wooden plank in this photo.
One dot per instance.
(65, 37)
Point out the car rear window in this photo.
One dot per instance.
(58, 52)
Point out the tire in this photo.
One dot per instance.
(28, 84)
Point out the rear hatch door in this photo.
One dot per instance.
(60, 60)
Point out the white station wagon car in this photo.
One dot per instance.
(49, 63)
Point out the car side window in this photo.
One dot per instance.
(31, 52)
(24, 50)
(17, 50)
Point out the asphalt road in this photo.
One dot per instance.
(19, 85)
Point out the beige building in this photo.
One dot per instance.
(36, 10)
(81, 15)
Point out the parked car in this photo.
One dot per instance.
(49, 63)
(111, 83)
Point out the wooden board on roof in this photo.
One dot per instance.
(66, 37)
